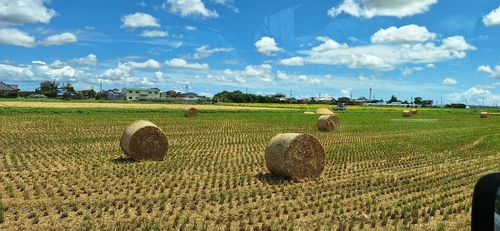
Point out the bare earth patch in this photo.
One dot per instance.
(124, 105)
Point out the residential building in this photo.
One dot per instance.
(141, 94)
(6, 89)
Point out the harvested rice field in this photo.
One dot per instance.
(63, 169)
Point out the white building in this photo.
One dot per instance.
(141, 94)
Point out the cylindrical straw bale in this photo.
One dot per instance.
(143, 140)
(191, 112)
(328, 122)
(406, 113)
(483, 115)
(414, 111)
(295, 155)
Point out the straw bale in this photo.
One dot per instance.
(414, 111)
(406, 113)
(324, 111)
(191, 112)
(328, 122)
(143, 140)
(295, 155)
(483, 115)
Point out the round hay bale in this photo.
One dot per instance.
(328, 122)
(191, 112)
(414, 111)
(483, 115)
(143, 140)
(406, 113)
(295, 155)
(324, 111)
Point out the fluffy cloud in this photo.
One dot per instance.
(346, 92)
(12, 36)
(267, 46)
(187, 8)
(409, 70)
(204, 51)
(227, 3)
(450, 81)
(91, 59)
(59, 39)
(151, 64)
(293, 61)
(372, 8)
(25, 11)
(483, 68)
(404, 35)
(328, 44)
(487, 69)
(181, 63)
(493, 18)
(281, 76)
(154, 33)
(15, 72)
(474, 95)
(139, 20)
(389, 49)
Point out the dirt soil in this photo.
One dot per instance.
(123, 105)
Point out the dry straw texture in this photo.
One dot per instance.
(483, 115)
(309, 112)
(295, 155)
(328, 122)
(190, 112)
(414, 111)
(324, 111)
(143, 140)
(406, 113)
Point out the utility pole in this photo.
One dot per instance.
(187, 88)
(290, 96)
(100, 87)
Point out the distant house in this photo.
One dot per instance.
(140, 94)
(8, 89)
(343, 100)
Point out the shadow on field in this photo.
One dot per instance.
(272, 179)
(123, 160)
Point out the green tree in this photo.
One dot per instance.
(417, 100)
(69, 88)
(393, 99)
(48, 89)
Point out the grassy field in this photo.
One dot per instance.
(64, 169)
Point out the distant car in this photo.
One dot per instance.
(340, 106)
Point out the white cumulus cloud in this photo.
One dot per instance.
(181, 63)
(154, 33)
(293, 61)
(139, 20)
(12, 36)
(151, 64)
(267, 45)
(493, 18)
(25, 11)
(186, 8)
(372, 8)
(487, 69)
(450, 81)
(404, 35)
(59, 39)
(90, 59)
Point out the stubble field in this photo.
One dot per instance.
(64, 169)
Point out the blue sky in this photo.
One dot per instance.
(436, 49)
